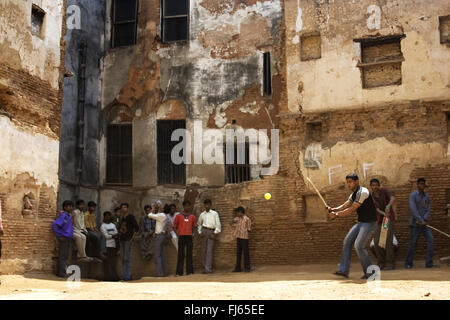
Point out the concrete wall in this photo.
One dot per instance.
(31, 82)
(334, 81)
(85, 24)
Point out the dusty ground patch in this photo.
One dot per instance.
(268, 282)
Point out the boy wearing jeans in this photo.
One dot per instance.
(243, 226)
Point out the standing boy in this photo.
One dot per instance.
(63, 229)
(361, 202)
(243, 226)
(384, 201)
(158, 238)
(110, 233)
(184, 222)
(419, 205)
(128, 229)
(208, 227)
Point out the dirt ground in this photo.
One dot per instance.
(268, 282)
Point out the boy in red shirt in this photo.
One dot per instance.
(183, 223)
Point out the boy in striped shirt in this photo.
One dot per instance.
(243, 226)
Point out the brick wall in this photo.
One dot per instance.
(280, 234)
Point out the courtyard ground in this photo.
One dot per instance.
(265, 282)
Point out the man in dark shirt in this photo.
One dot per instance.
(360, 201)
(419, 205)
(383, 200)
(128, 229)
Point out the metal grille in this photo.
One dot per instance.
(119, 149)
(237, 173)
(124, 22)
(168, 172)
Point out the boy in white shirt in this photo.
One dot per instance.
(159, 237)
(109, 230)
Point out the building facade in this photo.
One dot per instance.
(351, 87)
(31, 91)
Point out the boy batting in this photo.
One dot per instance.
(361, 202)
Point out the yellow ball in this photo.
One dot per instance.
(267, 196)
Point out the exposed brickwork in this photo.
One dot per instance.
(34, 106)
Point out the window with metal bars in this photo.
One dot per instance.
(237, 173)
(119, 154)
(267, 77)
(168, 172)
(175, 19)
(124, 26)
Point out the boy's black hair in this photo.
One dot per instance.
(172, 205)
(207, 201)
(106, 213)
(166, 209)
(116, 209)
(421, 180)
(67, 203)
(92, 204)
(352, 176)
(79, 201)
(146, 206)
(240, 209)
(124, 204)
(375, 180)
(185, 202)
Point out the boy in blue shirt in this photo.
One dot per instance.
(63, 229)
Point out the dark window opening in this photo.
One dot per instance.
(237, 173)
(168, 172)
(314, 132)
(124, 27)
(310, 47)
(267, 78)
(444, 29)
(119, 154)
(381, 61)
(175, 19)
(37, 21)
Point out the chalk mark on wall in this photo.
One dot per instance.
(374, 20)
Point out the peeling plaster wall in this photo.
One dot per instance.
(20, 49)
(217, 75)
(31, 83)
(395, 133)
(334, 81)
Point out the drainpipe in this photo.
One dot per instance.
(80, 115)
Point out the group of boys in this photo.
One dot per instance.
(375, 212)
(119, 231)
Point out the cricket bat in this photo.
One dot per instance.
(383, 233)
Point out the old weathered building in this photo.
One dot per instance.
(31, 83)
(352, 86)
